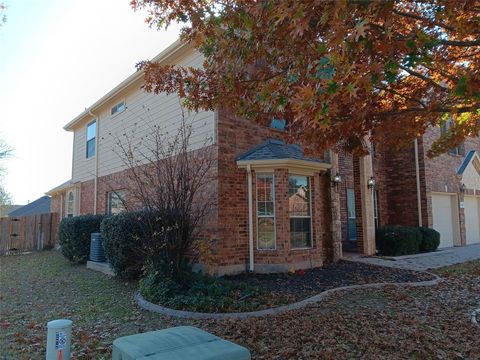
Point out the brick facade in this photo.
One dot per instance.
(227, 230)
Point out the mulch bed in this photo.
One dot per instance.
(304, 284)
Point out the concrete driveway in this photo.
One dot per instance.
(443, 257)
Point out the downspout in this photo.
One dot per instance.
(417, 173)
(95, 180)
(250, 218)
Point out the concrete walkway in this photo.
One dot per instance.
(421, 262)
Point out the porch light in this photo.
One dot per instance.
(463, 187)
(336, 180)
(371, 182)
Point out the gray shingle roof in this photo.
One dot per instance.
(39, 206)
(275, 149)
(465, 162)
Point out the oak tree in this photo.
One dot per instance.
(339, 71)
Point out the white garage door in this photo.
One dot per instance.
(472, 219)
(443, 219)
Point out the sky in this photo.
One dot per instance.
(58, 57)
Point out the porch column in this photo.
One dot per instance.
(336, 221)
(362, 167)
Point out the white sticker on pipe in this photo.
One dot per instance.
(60, 340)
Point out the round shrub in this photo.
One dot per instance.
(74, 236)
(430, 239)
(123, 243)
(398, 240)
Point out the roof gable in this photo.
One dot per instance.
(469, 170)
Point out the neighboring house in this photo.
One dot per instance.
(40, 206)
(276, 208)
(5, 209)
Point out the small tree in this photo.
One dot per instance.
(172, 186)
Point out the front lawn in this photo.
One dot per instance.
(392, 323)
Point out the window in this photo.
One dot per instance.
(115, 202)
(91, 134)
(459, 150)
(375, 208)
(118, 108)
(299, 208)
(278, 124)
(352, 216)
(70, 204)
(265, 211)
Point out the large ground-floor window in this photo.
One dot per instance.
(265, 188)
(299, 204)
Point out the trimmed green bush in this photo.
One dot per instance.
(203, 293)
(430, 239)
(74, 236)
(123, 239)
(398, 240)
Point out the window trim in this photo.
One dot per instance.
(266, 216)
(302, 217)
(94, 139)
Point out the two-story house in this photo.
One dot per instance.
(276, 208)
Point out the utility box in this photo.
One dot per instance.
(178, 343)
(97, 254)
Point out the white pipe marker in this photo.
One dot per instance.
(59, 334)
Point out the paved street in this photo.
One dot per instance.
(449, 256)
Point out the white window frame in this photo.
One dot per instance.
(302, 217)
(114, 109)
(87, 140)
(266, 216)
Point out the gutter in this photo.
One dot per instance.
(250, 218)
(417, 174)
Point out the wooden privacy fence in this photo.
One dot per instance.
(35, 232)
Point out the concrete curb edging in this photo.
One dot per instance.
(146, 305)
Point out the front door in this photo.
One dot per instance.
(352, 218)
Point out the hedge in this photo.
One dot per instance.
(122, 236)
(74, 236)
(398, 240)
(430, 239)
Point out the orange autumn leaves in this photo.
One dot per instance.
(339, 71)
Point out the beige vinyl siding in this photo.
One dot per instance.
(143, 111)
(83, 169)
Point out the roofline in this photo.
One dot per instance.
(287, 163)
(169, 51)
(66, 185)
(466, 161)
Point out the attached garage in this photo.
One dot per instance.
(445, 219)
(472, 219)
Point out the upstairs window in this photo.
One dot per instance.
(459, 150)
(118, 108)
(91, 134)
(115, 202)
